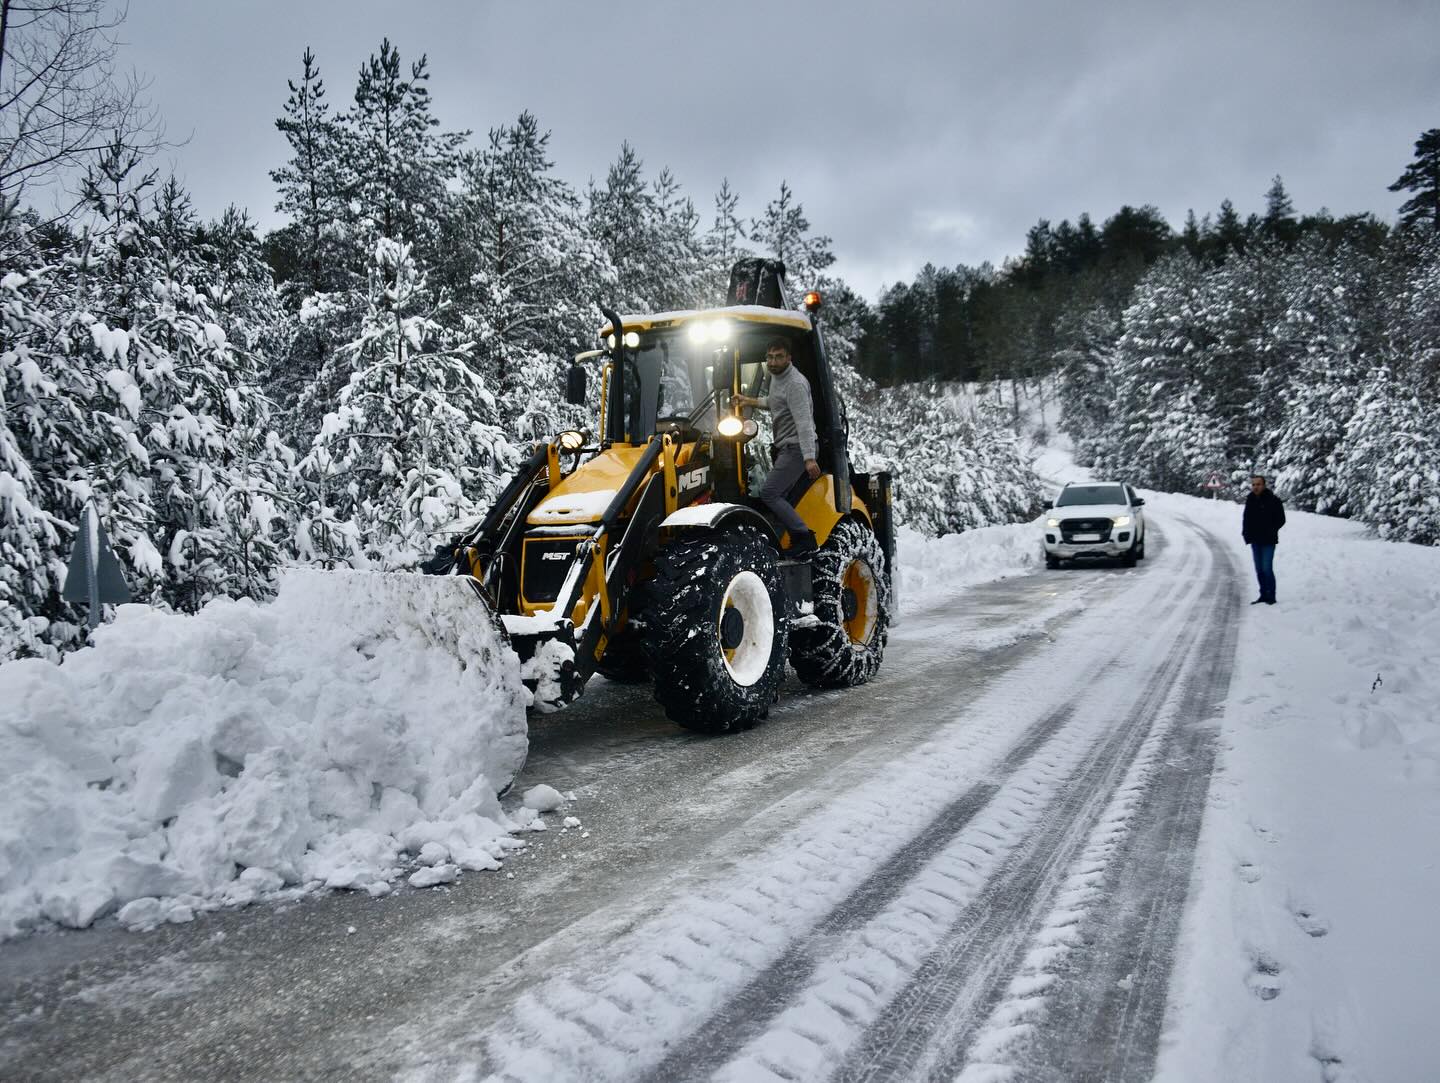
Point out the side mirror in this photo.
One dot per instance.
(1048, 504)
(575, 383)
(1139, 501)
(724, 371)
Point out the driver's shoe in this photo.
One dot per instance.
(802, 546)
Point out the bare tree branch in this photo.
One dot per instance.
(61, 97)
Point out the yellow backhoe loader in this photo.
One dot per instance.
(640, 553)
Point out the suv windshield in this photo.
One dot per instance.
(1073, 495)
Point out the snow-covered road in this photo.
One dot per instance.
(885, 883)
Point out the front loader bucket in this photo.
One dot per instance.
(547, 661)
(432, 635)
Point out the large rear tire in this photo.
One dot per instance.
(844, 644)
(717, 633)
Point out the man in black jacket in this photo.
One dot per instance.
(1264, 516)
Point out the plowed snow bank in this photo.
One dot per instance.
(197, 761)
(932, 569)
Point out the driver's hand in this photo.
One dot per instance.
(812, 468)
(743, 400)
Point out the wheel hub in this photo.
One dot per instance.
(857, 601)
(732, 629)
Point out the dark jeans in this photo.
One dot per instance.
(1265, 570)
(789, 464)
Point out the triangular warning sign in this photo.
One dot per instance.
(100, 568)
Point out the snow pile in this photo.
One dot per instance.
(931, 569)
(192, 762)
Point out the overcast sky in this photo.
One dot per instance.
(912, 132)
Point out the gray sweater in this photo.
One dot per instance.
(789, 400)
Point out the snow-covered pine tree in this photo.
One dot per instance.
(396, 163)
(526, 274)
(783, 232)
(722, 246)
(390, 170)
(1389, 463)
(1085, 362)
(315, 254)
(1422, 176)
(1279, 225)
(1163, 433)
(216, 471)
(679, 248)
(309, 187)
(619, 216)
(649, 233)
(34, 421)
(414, 441)
(1320, 327)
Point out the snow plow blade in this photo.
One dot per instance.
(405, 627)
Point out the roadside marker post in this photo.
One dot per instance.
(94, 574)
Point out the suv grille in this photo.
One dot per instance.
(1070, 527)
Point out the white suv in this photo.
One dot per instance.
(1095, 519)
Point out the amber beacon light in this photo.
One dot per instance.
(812, 301)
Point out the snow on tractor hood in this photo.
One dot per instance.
(584, 507)
(583, 495)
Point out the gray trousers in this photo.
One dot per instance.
(789, 466)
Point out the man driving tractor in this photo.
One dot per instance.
(794, 449)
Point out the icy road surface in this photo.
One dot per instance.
(976, 864)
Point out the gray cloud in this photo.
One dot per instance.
(912, 132)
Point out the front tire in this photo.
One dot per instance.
(845, 643)
(717, 633)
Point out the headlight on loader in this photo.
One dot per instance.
(732, 427)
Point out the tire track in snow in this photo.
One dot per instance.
(1111, 978)
(670, 974)
(731, 1024)
(958, 946)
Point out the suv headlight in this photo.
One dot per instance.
(1052, 522)
(1121, 520)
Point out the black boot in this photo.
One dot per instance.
(802, 546)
